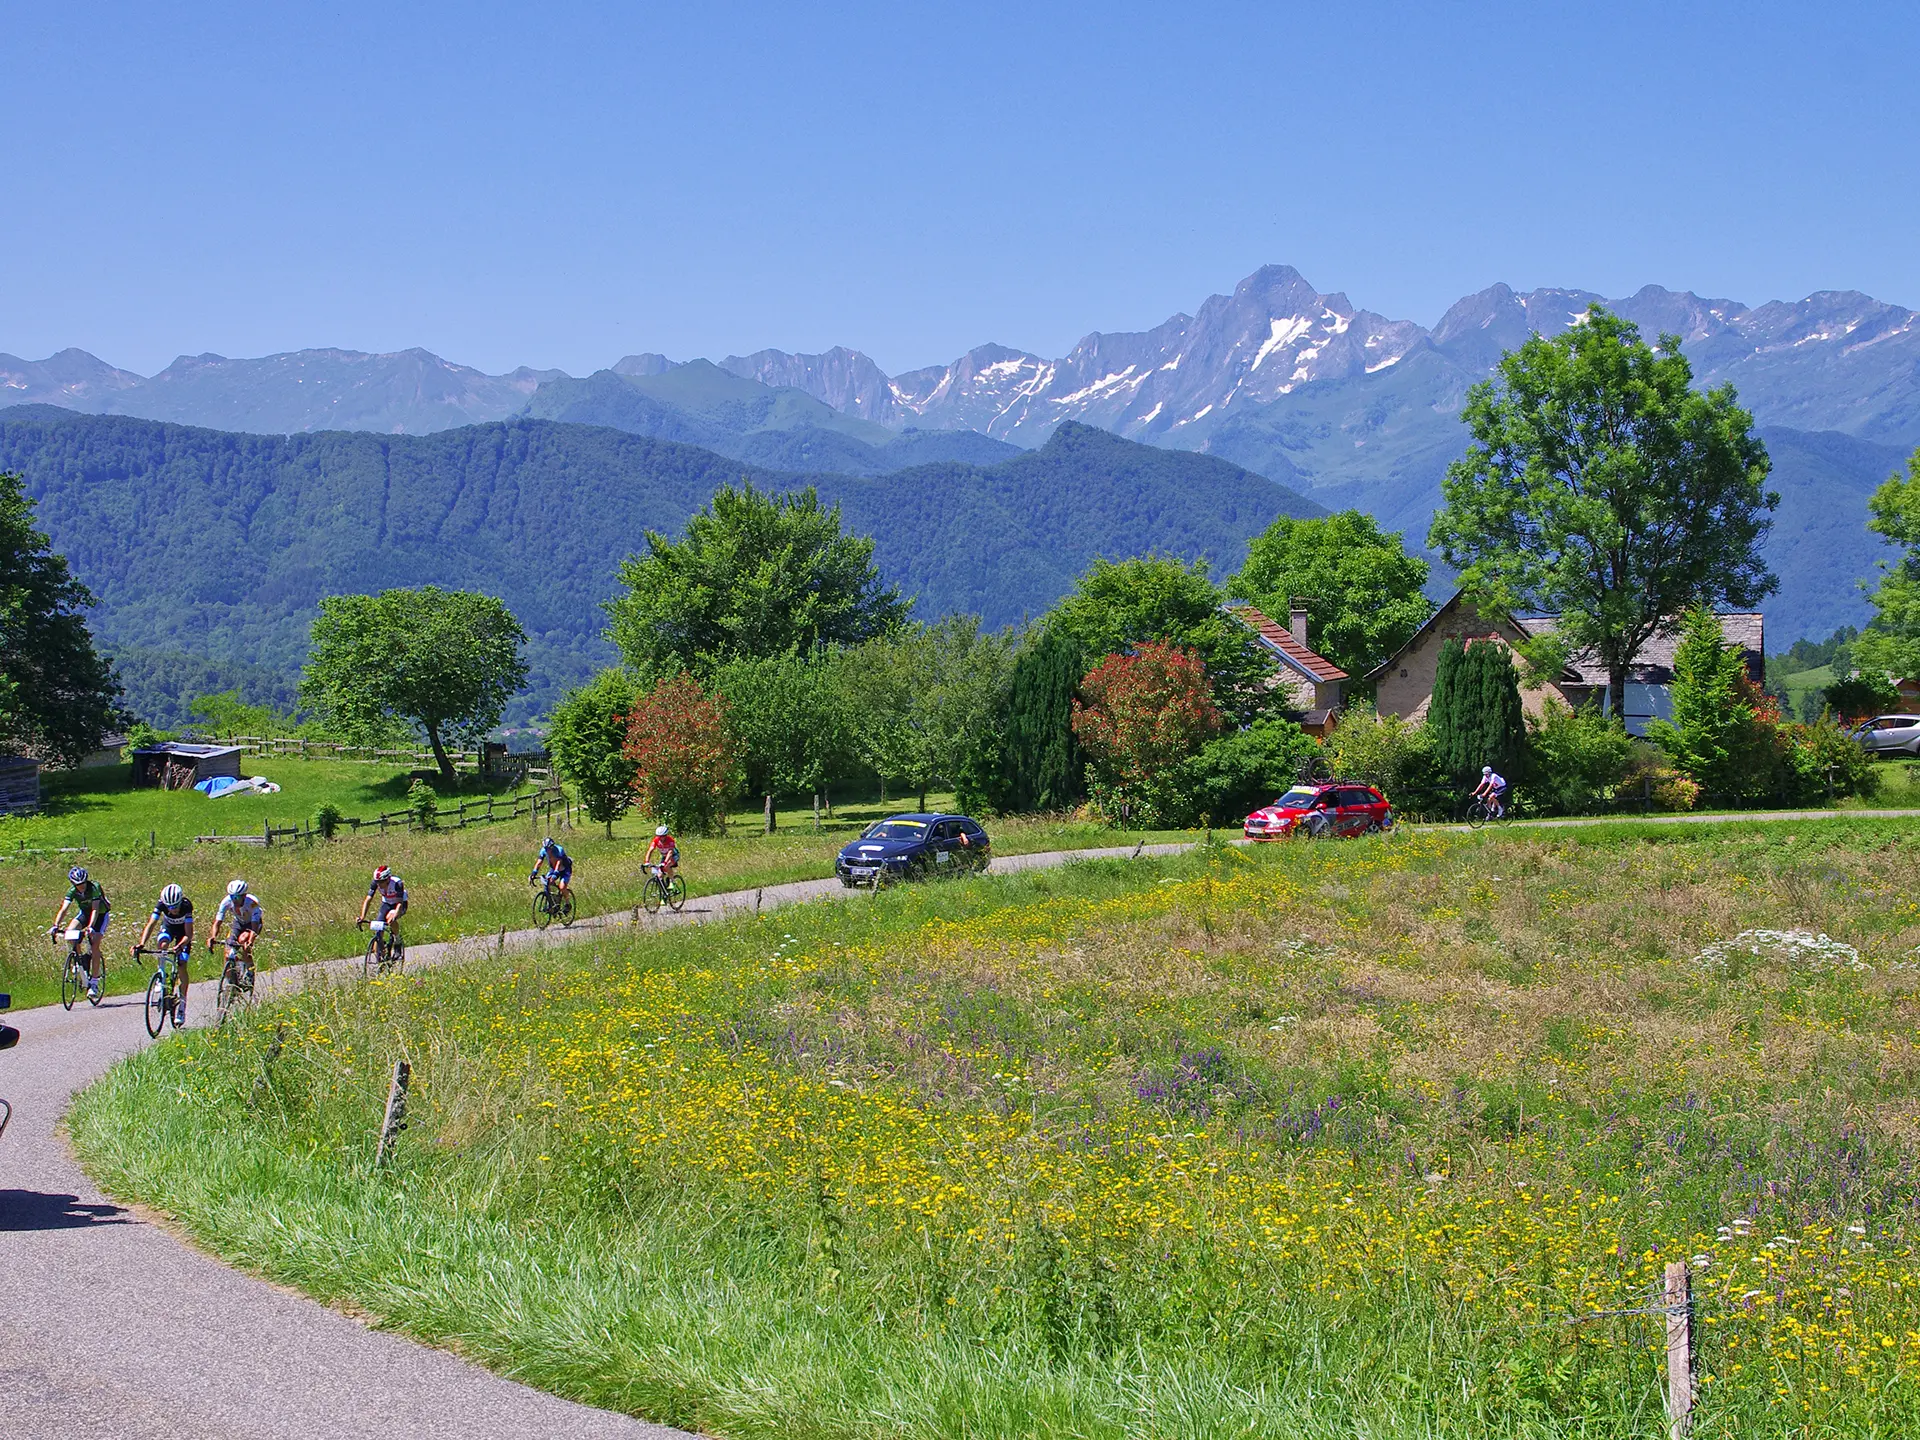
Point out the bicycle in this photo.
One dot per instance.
(657, 892)
(9, 1037)
(1313, 768)
(236, 983)
(385, 949)
(162, 990)
(73, 976)
(1481, 812)
(550, 904)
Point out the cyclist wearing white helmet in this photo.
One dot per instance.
(243, 909)
(174, 916)
(559, 865)
(1492, 789)
(664, 851)
(90, 910)
(391, 891)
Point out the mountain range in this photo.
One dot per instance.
(1345, 406)
(209, 550)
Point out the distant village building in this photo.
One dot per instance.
(1403, 686)
(1314, 686)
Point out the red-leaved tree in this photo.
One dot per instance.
(684, 754)
(1140, 718)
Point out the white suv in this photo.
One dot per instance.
(1889, 735)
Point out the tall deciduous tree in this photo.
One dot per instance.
(1602, 487)
(790, 720)
(1891, 644)
(587, 738)
(756, 575)
(444, 661)
(1362, 589)
(1120, 605)
(57, 695)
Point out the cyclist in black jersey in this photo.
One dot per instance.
(174, 916)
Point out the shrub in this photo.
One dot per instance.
(1823, 754)
(1577, 759)
(1652, 777)
(327, 820)
(1144, 716)
(1860, 696)
(422, 803)
(140, 735)
(1233, 774)
(684, 755)
(588, 741)
(1723, 734)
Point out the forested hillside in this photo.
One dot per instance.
(208, 544)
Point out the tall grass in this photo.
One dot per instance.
(1327, 1140)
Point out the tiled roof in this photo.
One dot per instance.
(1279, 641)
(1744, 630)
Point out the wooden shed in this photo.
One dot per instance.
(19, 785)
(177, 765)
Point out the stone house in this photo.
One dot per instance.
(1313, 684)
(1403, 685)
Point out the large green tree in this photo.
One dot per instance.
(756, 575)
(1035, 761)
(789, 719)
(1891, 644)
(57, 695)
(1119, 605)
(1602, 487)
(1363, 591)
(444, 661)
(1475, 717)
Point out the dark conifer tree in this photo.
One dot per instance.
(1038, 762)
(1475, 717)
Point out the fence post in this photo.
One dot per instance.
(396, 1117)
(1679, 1308)
(266, 828)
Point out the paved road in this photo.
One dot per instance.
(111, 1329)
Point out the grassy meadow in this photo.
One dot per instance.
(464, 882)
(1377, 1138)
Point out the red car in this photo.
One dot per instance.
(1322, 810)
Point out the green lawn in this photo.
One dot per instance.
(1378, 1138)
(461, 883)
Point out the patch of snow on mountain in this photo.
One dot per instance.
(1284, 332)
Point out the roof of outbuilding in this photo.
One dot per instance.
(1278, 641)
(1743, 630)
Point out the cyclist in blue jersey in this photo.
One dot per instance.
(559, 866)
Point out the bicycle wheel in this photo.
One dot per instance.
(225, 997)
(396, 952)
(70, 983)
(159, 1005)
(1476, 814)
(563, 910)
(370, 964)
(676, 892)
(1315, 767)
(651, 895)
(542, 911)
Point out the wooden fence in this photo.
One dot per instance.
(549, 801)
(295, 747)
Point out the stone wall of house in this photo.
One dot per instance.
(1407, 689)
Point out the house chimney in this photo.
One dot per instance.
(1297, 622)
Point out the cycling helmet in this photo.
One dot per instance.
(1486, 770)
(236, 889)
(172, 896)
(547, 847)
(77, 875)
(380, 873)
(662, 832)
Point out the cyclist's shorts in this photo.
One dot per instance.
(98, 925)
(172, 938)
(390, 908)
(564, 875)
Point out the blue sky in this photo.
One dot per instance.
(562, 184)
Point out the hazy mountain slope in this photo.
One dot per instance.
(220, 545)
(73, 379)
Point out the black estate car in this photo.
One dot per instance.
(913, 847)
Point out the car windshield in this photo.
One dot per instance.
(896, 830)
(1296, 799)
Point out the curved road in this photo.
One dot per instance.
(111, 1328)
